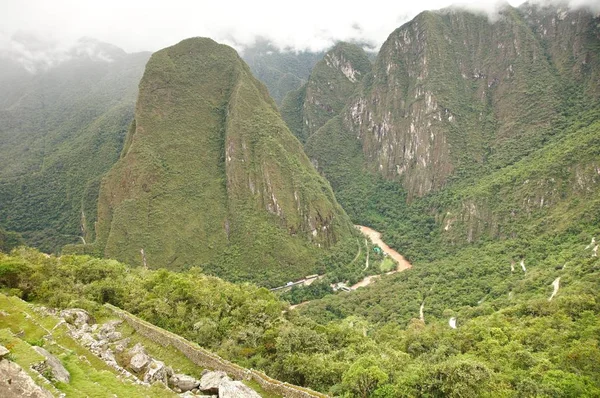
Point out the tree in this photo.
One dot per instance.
(364, 376)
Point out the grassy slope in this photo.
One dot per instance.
(90, 376)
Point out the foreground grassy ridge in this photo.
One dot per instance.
(210, 176)
(510, 341)
(90, 376)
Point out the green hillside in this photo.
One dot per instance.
(332, 81)
(210, 176)
(61, 129)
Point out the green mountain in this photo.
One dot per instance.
(211, 176)
(462, 112)
(281, 71)
(62, 126)
(332, 81)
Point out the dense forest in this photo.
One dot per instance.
(472, 144)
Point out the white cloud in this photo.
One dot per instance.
(137, 25)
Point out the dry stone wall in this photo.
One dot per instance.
(207, 359)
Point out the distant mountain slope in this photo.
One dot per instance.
(281, 71)
(61, 127)
(453, 95)
(332, 81)
(453, 102)
(211, 176)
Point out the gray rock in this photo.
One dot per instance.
(56, 367)
(16, 383)
(157, 371)
(184, 382)
(76, 316)
(3, 351)
(87, 340)
(236, 389)
(139, 359)
(113, 336)
(139, 362)
(210, 381)
(121, 345)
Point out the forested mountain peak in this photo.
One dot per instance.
(211, 176)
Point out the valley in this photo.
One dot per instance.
(415, 220)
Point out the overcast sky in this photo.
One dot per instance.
(136, 25)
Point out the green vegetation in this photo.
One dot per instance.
(211, 177)
(9, 240)
(280, 70)
(21, 327)
(510, 340)
(331, 82)
(60, 131)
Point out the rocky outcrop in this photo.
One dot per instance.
(236, 389)
(16, 383)
(210, 381)
(332, 81)
(53, 364)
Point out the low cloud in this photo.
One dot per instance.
(148, 25)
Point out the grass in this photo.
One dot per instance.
(169, 355)
(90, 376)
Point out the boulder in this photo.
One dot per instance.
(77, 317)
(139, 359)
(139, 362)
(121, 345)
(157, 371)
(3, 351)
(236, 389)
(210, 381)
(16, 383)
(184, 382)
(56, 367)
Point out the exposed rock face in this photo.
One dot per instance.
(16, 383)
(236, 389)
(210, 381)
(56, 367)
(447, 93)
(209, 159)
(332, 81)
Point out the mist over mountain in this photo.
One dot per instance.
(63, 118)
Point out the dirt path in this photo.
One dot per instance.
(376, 239)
